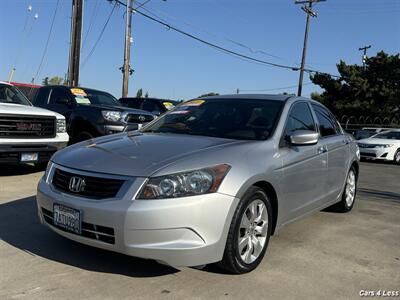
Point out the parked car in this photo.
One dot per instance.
(90, 113)
(28, 134)
(153, 105)
(382, 146)
(209, 181)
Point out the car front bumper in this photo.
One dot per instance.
(186, 231)
(377, 153)
(11, 149)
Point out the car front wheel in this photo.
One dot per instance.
(397, 157)
(249, 233)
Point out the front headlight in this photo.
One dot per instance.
(113, 116)
(47, 173)
(384, 146)
(190, 183)
(61, 126)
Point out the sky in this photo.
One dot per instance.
(170, 65)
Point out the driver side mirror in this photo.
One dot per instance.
(64, 101)
(303, 138)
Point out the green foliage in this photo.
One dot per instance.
(139, 93)
(373, 90)
(56, 80)
(146, 95)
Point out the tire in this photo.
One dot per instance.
(348, 195)
(239, 259)
(397, 157)
(82, 136)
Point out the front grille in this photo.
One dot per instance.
(93, 187)
(91, 231)
(367, 145)
(139, 118)
(15, 126)
(368, 154)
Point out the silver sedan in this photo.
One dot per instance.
(209, 181)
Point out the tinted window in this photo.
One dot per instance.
(326, 124)
(225, 118)
(42, 97)
(300, 118)
(151, 106)
(391, 135)
(57, 94)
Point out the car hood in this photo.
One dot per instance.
(378, 141)
(19, 109)
(135, 154)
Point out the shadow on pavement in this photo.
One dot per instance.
(21, 228)
(379, 194)
(19, 169)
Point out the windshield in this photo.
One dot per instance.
(225, 118)
(390, 135)
(87, 97)
(11, 95)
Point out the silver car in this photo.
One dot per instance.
(209, 181)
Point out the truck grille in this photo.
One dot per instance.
(15, 126)
(91, 231)
(139, 118)
(91, 187)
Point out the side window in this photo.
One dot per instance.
(151, 106)
(327, 125)
(42, 97)
(57, 96)
(300, 118)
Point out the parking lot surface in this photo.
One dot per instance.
(326, 255)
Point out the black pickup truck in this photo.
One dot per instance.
(90, 113)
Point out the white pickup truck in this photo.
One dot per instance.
(28, 134)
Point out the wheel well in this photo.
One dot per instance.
(270, 191)
(356, 166)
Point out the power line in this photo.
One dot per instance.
(228, 51)
(47, 43)
(92, 18)
(100, 35)
(276, 89)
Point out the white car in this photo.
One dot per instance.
(28, 134)
(383, 146)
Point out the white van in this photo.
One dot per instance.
(28, 134)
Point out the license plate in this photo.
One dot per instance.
(29, 157)
(67, 218)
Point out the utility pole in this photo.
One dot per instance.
(126, 69)
(310, 13)
(364, 57)
(75, 48)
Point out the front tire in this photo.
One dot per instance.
(348, 195)
(249, 233)
(397, 157)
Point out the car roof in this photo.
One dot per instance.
(73, 87)
(5, 83)
(148, 98)
(282, 98)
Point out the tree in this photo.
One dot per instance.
(139, 93)
(209, 94)
(56, 80)
(373, 90)
(146, 95)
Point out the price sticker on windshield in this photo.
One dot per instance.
(78, 92)
(197, 102)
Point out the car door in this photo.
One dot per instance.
(61, 101)
(336, 143)
(304, 167)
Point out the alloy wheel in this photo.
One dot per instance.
(350, 188)
(253, 231)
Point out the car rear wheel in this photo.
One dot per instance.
(349, 193)
(249, 233)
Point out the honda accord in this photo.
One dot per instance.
(209, 181)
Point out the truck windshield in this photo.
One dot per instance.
(11, 95)
(88, 96)
(245, 119)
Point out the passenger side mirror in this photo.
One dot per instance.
(303, 138)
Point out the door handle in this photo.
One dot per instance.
(321, 149)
